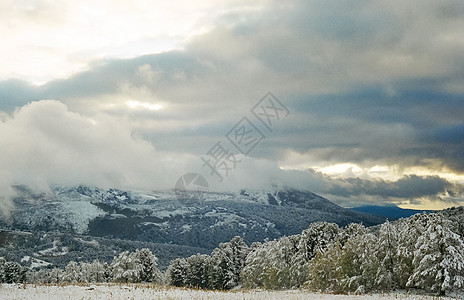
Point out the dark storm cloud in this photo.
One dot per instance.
(412, 186)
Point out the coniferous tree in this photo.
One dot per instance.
(72, 272)
(438, 258)
(386, 252)
(257, 262)
(227, 262)
(324, 270)
(197, 271)
(358, 263)
(177, 272)
(147, 265)
(138, 266)
(11, 272)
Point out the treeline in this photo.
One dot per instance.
(425, 252)
(127, 267)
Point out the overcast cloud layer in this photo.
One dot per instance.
(375, 86)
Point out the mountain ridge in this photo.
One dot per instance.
(187, 221)
(392, 212)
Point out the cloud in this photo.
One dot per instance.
(408, 187)
(15, 93)
(368, 84)
(348, 192)
(74, 34)
(44, 143)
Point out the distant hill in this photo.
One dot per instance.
(79, 218)
(392, 212)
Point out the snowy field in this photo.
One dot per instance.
(139, 291)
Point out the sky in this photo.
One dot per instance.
(361, 102)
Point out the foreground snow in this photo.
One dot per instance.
(139, 291)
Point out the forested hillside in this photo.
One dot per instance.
(424, 252)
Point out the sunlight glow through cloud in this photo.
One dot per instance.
(46, 40)
(133, 104)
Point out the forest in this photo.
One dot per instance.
(423, 252)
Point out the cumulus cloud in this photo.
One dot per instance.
(44, 143)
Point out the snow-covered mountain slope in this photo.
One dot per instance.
(199, 220)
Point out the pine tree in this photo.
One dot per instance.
(227, 261)
(256, 264)
(123, 268)
(385, 250)
(438, 258)
(11, 272)
(55, 275)
(282, 264)
(316, 237)
(147, 265)
(312, 240)
(358, 263)
(177, 272)
(407, 234)
(325, 273)
(72, 272)
(197, 271)
(99, 271)
(138, 266)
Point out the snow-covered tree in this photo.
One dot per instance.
(196, 274)
(312, 240)
(270, 265)
(72, 273)
(278, 270)
(255, 264)
(385, 249)
(100, 271)
(11, 272)
(55, 275)
(438, 258)
(282, 264)
(93, 272)
(350, 231)
(124, 268)
(138, 266)
(324, 270)
(359, 263)
(227, 261)
(316, 237)
(147, 264)
(177, 272)
(406, 237)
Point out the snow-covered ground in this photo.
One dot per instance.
(140, 291)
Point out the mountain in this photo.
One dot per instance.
(391, 212)
(69, 219)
